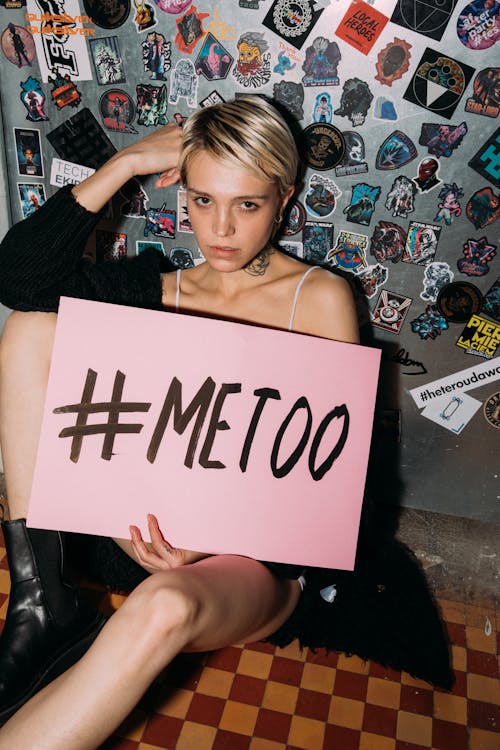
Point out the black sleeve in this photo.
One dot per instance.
(41, 260)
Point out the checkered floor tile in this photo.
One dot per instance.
(261, 698)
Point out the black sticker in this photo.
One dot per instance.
(487, 160)
(458, 301)
(438, 83)
(292, 20)
(325, 146)
(428, 19)
(107, 15)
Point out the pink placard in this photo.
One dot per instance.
(239, 439)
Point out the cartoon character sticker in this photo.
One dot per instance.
(173, 6)
(144, 17)
(478, 25)
(136, 199)
(448, 206)
(353, 160)
(483, 207)
(321, 198)
(393, 61)
(181, 257)
(362, 205)
(421, 243)
(160, 222)
(427, 177)
(291, 95)
(321, 63)
(395, 151)
(388, 242)
(108, 62)
(295, 219)
(189, 30)
(253, 67)
(429, 324)
(31, 196)
(390, 311)
(152, 104)
(184, 83)
(477, 255)
(322, 111)
(117, 111)
(28, 152)
(33, 98)
(437, 275)
(372, 277)
(355, 101)
(156, 55)
(284, 63)
(485, 99)
(183, 223)
(442, 140)
(459, 300)
(491, 301)
(110, 245)
(317, 239)
(18, 45)
(213, 61)
(400, 198)
(349, 252)
(64, 91)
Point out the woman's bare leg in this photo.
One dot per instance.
(213, 603)
(25, 352)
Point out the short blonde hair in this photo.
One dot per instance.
(249, 131)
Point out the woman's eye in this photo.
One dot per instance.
(202, 200)
(249, 206)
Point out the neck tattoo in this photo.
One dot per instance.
(258, 266)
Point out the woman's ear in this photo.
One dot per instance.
(286, 198)
(168, 178)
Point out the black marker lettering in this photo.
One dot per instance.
(216, 424)
(319, 473)
(301, 403)
(263, 394)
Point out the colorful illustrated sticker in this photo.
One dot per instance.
(478, 25)
(388, 242)
(152, 102)
(18, 45)
(324, 146)
(213, 61)
(142, 245)
(291, 247)
(321, 198)
(491, 302)
(393, 61)
(487, 160)
(480, 336)
(110, 245)
(144, 17)
(108, 61)
(355, 101)
(213, 98)
(136, 199)
(448, 206)
(400, 198)
(483, 207)
(160, 222)
(317, 239)
(181, 257)
(28, 152)
(253, 67)
(293, 20)
(183, 222)
(477, 255)
(284, 63)
(390, 311)
(361, 26)
(428, 19)
(485, 99)
(189, 30)
(184, 83)
(117, 111)
(438, 83)
(31, 197)
(353, 161)
(323, 111)
(321, 62)
(295, 219)
(107, 15)
(372, 277)
(349, 252)
(436, 276)
(33, 98)
(64, 91)
(442, 140)
(429, 324)
(396, 151)
(427, 177)
(173, 6)
(362, 205)
(291, 95)
(384, 109)
(421, 243)
(156, 56)
(458, 300)
(491, 410)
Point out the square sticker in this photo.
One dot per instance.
(361, 26)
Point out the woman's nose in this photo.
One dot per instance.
(222, 223)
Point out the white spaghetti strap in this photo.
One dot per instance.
(178, 289)
(296, 295)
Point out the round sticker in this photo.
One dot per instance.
(295, 219)
(325, 146)
(491, 410)
(107, 15)
(458, 301)
(117, 111)
(478, 25)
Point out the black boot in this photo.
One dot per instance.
(49, 626)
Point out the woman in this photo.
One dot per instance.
(238, 163)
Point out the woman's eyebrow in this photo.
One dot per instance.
(236, 198)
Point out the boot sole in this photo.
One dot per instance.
(61, 663)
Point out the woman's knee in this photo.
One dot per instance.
(27, 334)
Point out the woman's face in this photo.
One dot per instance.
(232, 212)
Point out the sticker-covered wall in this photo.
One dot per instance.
(398, 103)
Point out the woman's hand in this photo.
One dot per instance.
(159, 555)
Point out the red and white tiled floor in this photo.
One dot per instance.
(261, 698)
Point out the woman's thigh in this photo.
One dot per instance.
(238, 600)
